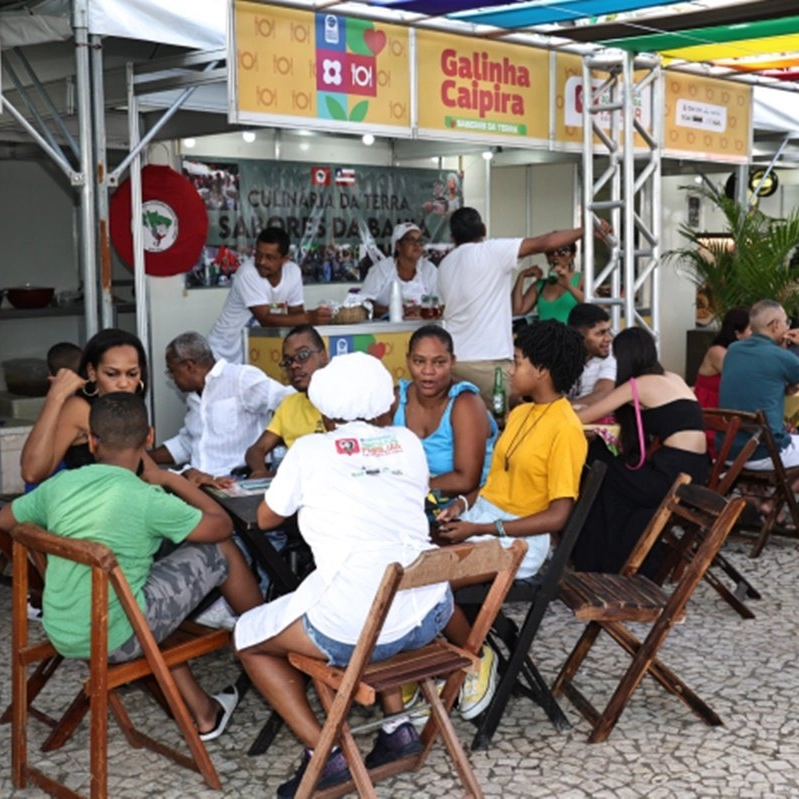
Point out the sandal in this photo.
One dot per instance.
(227, 701)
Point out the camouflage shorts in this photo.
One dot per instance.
(176, 585)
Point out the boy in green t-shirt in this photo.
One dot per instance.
(107, 502)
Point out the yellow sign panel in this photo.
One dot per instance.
(320, 70)
(708, 118)
(474, 88)
(569, 101)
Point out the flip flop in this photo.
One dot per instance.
(227, 700)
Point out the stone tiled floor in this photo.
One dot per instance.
(746, 670)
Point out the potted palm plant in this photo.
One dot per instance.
(748, 262)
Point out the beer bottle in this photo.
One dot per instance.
(498, 396)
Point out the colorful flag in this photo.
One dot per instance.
(345, 176)
(320, 175)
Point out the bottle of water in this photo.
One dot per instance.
(395, 302)
(278, 453)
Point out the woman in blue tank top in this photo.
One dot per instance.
(449, 417)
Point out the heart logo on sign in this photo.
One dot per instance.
(374, 40)
(378, 349)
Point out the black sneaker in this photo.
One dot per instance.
(334, 772)
(393, 746)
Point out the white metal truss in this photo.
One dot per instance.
(622, 184)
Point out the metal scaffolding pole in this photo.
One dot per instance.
(625, 145)
(83, 86)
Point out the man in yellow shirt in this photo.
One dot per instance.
(303, 353)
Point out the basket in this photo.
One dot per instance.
(350, 314)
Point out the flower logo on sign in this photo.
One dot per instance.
(332, 72)
(160, 225)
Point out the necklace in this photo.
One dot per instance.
(521, 433)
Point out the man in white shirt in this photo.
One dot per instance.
(266, 291)
(417, 276)
(228, 407)
(599, 373)
(474, 284)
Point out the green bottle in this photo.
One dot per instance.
(498, 395)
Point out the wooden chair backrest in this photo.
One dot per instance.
(725, 472)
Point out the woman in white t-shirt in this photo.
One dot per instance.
(359, 492)
(417, 276)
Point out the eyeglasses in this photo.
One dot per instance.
(559, 251)
(300, 358)
(412, 240)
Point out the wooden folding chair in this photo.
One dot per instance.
(100, 692)
(774, 484)
(723, 477)
(362, 681)
(608, 601)
(518, 671)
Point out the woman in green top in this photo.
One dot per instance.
(556, 294)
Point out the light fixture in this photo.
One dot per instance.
(304, 146)
(488, 154)
(248, 136)
(368, 139)
(698, 180)
(189, 143)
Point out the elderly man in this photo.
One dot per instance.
(757, 374)
(474, 284)
(268, 292)
(599, 373)
(228, 407)
(303, 353)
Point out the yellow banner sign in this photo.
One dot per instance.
(474, 88)
(707, 117)
(320, 70)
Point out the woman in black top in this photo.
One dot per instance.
(635, 486)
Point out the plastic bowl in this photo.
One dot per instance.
(28, 297)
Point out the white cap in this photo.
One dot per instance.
(400, 231)
(352, 386)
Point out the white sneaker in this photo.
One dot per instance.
(218, 614)
(478, 688)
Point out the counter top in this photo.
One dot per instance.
(361, 328)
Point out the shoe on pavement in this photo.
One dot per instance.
(393, 746)
(334, 772)
(478, 688)
(227, 700)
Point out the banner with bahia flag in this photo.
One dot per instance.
(339, 216)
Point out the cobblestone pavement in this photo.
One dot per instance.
(746, 670)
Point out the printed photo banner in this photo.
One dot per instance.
(707, 118)
(320, 70)
(476, 89)
(339, 217)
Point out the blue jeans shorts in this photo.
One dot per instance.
(339, 654)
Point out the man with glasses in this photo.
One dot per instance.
(599, 373)
(417, 276)
(474, 283)
(303, 353)
(228, 407)
(758, 372)
(265, 291)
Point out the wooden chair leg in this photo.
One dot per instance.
(36, 682)
(450, 739)
(67, 724)
(576, 657)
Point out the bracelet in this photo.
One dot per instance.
(465, 502)
(501, 534)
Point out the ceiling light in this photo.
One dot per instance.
(304, 146)
(488, 154)
(248, 136)
(368, 139)
(189, 143)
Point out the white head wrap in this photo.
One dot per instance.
(352, 386)
(400, 231)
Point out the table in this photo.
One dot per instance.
(243, 510)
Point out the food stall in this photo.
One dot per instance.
(385, 340)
